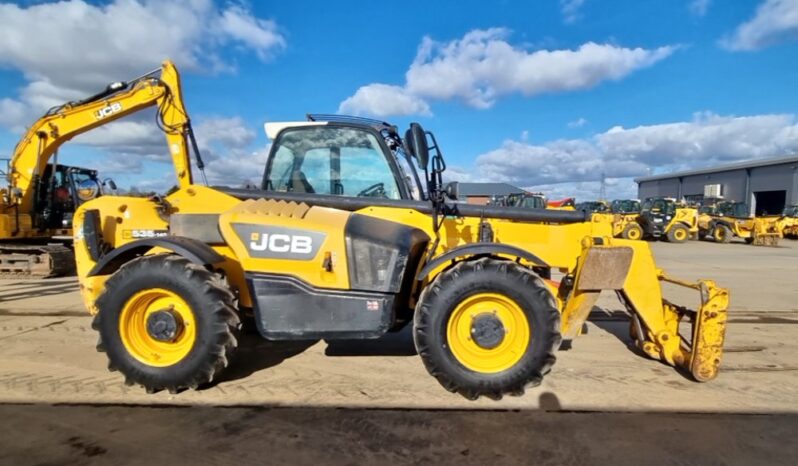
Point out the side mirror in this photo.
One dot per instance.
(416, 140)
(452, 190)
(110, 183)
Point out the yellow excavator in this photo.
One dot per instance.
(37, 206)
(352, 235)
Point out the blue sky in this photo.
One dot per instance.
(547, 94)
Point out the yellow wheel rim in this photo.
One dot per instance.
(634, 233)
(680, 234)
(493, 308)
(138, 341)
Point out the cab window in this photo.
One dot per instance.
(330, 160)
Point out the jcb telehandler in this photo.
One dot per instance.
(353, 235)
(624, 215)
(665, 217)
(727, 220)
(36, 208)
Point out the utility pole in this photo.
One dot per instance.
(603, 191)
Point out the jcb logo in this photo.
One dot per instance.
(108, 111)
(276, 242)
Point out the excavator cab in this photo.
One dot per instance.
(60, 190)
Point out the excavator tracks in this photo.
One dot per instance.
(23, 261)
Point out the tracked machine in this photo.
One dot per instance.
(38, 204)
(352, 235)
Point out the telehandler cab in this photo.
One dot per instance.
(353, 235)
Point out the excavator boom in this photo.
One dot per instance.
(23, 233)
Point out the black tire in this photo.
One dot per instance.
(722, 234)
(212, 306)
(678, 234)
(749, 240)
(441, 297)
(632, 231)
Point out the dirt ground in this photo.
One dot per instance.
(348, 403)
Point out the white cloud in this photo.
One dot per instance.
(616, 188)
(482, 66)
(699, 7)
(225, 143)
(72, 49)
(775, 21)
(382, 100)
(570, 10)
(578, 123)
(622, 153)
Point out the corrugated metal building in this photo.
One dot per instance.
(767, 185)
(480, 193)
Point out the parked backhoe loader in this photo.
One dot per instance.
(37, 207)
(353, 235)
(728, 220)
(666, 218)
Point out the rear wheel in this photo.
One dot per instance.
(678, 234)
(632, 231)
(166, 323)
(722, 234)
(487, 327)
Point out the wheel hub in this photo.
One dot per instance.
(164, 325)
(487, 330)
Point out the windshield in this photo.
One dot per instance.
(733, 209)
(534, 202)
(664, 206)
(341, 161)
(625, 206)
(409, 174)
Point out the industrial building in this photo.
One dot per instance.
(766, 185)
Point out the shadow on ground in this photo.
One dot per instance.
(122, 435)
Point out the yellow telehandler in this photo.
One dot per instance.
(667, 218)
(351, 235)
(626, 218)
(728, 220)
(37, 207)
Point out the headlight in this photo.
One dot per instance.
(375, 266)
(379, 253)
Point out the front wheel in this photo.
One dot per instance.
(722, 234)
(487, 327)
(678, 234)
(166, 323)
(632, 231)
